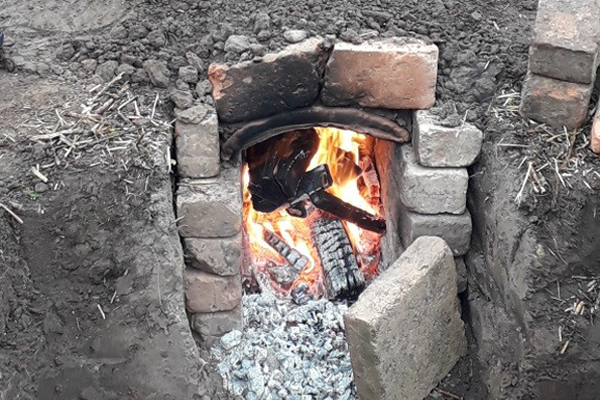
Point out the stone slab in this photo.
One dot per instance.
(404, 332)
(279, 82)
(396, 73)
(554, 102)
(211, 207)
(442, 146)
(206, 292)
(595, 133)
(454, 229)
(566, 40)
(197, 142)
(431, 190)
(219, 256)
(216, 324)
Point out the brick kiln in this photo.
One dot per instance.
(314, 173)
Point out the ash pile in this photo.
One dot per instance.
(287, 351)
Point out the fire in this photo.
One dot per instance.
(349, 156)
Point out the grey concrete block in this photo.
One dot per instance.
(554, 102)
(219, 256)
(279, 82)
(454, 229)
(197, 142)
(566, 40)
(391, 73)
(431, 190)
(216, 324)
(404, 332)
(211, 207)
(442, 146)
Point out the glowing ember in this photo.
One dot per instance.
(349, 156)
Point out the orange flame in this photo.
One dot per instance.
(349, 156)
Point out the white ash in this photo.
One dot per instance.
(287, 351)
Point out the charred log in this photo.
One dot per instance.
(336, 206)
(301, 119)
(277, 169)
(341, 272)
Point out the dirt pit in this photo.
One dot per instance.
(90, 280)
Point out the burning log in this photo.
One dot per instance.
(340, 269)
(278, 168)
(278, 177)
(333, 205)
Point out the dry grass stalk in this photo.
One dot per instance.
(15, 216)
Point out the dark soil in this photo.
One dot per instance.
(90, 237)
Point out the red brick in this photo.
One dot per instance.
(595, 133)
(211, 207)
(205, 292)
(554, 102)
(279, 82)
(391, 73)
(219, 256)
(565, 42)
(212, 325)
(197, 143)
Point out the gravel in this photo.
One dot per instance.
(287, 351)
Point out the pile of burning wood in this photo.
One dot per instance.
(323, 183)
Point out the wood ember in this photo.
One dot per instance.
(297, 260)
(369, 181)
(285, 274)
(340, 269)
(300, 294)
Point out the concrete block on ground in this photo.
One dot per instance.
(211, 207)
(566, 40)
(404, 332)
(441, 146)
(219, 256)
(206, 292)
(431, 190)
(279, 82)
(216, 324)
(554, 102)
(454, 229)
(391, 73)
(595, 133)
(197, 142)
